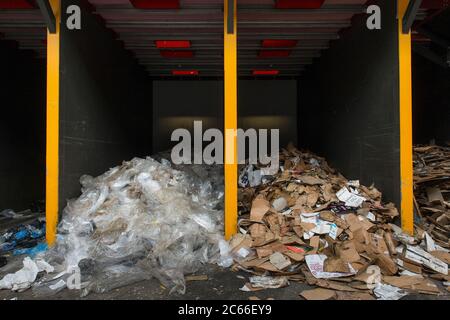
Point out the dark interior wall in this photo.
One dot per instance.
(262, 104)
(105, 103)
(431, 101)
(269, 104)
(178, 103)
(22, 127)
(349, 104)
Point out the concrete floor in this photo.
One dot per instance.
(221, 285)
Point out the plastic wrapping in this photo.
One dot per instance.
(22, 237)
(143, 219)
(24, 278)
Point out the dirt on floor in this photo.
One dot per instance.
(221, 284)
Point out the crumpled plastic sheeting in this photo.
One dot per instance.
(24, 278)
(143, 219)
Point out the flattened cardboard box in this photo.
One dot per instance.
(420, 256)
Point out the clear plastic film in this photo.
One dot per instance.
(143, 219)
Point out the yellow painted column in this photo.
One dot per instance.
(230, 114)
(406, 147)
(52, 160)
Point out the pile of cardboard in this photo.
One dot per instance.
(309, 223)
(432, 191)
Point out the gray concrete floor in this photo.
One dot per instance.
(221, 285)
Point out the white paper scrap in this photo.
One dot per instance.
(431, 246)
(322, 227)
(315, 263)
(305, 216)
(60, 284)
(353, 183)
(254, 178)
(308, 235)
(243, 252)
(371, 217)
(350, 199)
(333, 231)
(388, 292)
(418, 255)
(245, 288)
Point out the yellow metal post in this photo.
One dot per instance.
(406, 148)
(52, 160)
(230, 114)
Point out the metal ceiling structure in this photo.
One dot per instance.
(26, 26)
(201, 22)
(432, 38)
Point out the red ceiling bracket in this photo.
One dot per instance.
(265, 72)
(274, 53)
(299, 4)
(17, 4)
(275, 43)
(173, 44)
(156, 4)
(185, 72)
(435, 4)
(177, 53)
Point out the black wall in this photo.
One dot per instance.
(431, 101)
(349, 105)
(269, 104)
(22, 127)
(105, 104)
(178, 103)
(262, 104)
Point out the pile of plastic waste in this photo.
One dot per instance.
(139, 220)
(23, 238)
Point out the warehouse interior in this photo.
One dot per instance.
(284, 55)
(22, 124)
(132, 74)
(431, 79)
(80, 101)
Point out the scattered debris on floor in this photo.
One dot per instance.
(306, 223)
(202, 277)
(3, 261)
(140, 220)
(309, 223)
(432, 192)
(24, 278)
(264, 282)
(36, 209)
(318, 294)
(8, 213)
(23, 238)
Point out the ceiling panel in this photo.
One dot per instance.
(201, 22)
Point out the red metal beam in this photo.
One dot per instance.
(185, 72)
(17, 4)
(156, 4)
(299, 4)
(265, 72)
(177, 54)
(274, 53)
